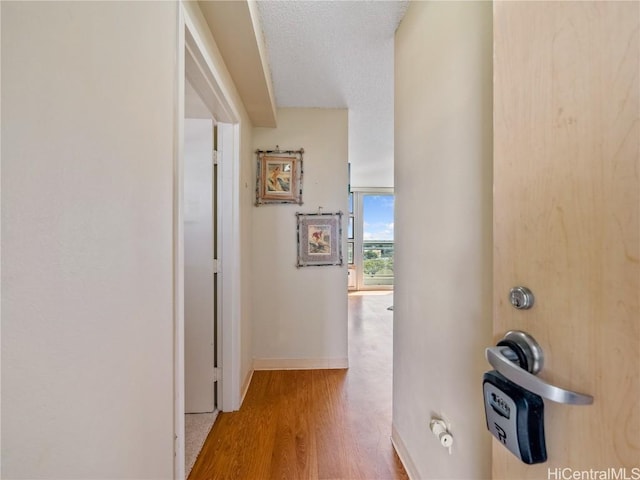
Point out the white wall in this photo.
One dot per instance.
(443, 168)
(300, 314)
(88, 93)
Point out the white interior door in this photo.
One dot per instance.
(199, 278)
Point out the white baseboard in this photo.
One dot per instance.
(245, 386)
(402, 452)
(299, 363)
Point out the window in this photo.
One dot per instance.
(377, 240)
(373, 244)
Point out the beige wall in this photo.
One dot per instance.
(87, 254)
(89, 94)
(443, 138)
(247, 180)
(300, 314)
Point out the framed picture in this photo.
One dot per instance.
(319, 239)
(279, 176)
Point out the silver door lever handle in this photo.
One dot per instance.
(530, 382)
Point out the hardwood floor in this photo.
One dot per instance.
(315, 424)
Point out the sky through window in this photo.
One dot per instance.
(378, 217)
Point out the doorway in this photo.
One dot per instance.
(197, 74)
(200, 272)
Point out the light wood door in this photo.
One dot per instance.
(566, 219)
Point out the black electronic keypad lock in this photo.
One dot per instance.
(515, 417)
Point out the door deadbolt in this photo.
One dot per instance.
(521, 298)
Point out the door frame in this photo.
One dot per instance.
(194, 60)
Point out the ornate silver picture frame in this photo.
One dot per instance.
(319, 239)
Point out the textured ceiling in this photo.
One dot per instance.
(339, 54)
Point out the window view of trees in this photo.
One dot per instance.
(378, 259)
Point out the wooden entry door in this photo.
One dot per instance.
(566, 220)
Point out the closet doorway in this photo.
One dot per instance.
(206, 239)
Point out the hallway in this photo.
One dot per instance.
(315, 424)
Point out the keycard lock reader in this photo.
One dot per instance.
(513, 396)
(515, 417)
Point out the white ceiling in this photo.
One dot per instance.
(339, 54)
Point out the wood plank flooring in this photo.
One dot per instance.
(315, 424)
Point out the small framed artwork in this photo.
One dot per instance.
(279, 176)
(319, 239)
